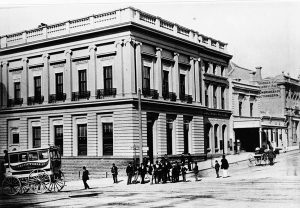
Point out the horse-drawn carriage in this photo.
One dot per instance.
(37, 170)
(261, 157)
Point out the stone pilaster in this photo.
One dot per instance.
(176, 75)
(129, 67)
(92, 71)
(4, 83)
(119, 68)
(45, 78)
(197, 82)
(139, 67)
(197, 135)
(68, 75)
(178, 144)
(24, 81)
(158, 72)
(202, 84)
(192, 90)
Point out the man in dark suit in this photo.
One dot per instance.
(114, 171)
(85, 177)
(129, 171)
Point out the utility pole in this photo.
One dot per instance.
(140, 125)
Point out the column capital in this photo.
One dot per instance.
(68, 51)
(158, 49)
(4, 63)
(130, 41)
(138, 43)
(46, 56)
(25, 60)
(119, 42)
(193, 58)
(92, 47)
(175, 54)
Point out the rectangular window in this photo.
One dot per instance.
(17, 90)
(169, 137)
(36, 136)
(251, 109)
(82, 81)
(32, 156)
(165, 83)
(16, 139)
(82, 139)
(23, 157)
(107, 129)
(223, 98)
(206, 95)
(215, 96)
(37, 87)
(240, 108)
(206, 67)
(186, 137)
(58, 137)
(59, 84)
(146, 77)
(107, 76)
(182, 85)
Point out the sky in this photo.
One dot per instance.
(259, 33)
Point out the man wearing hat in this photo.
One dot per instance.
(114, 171)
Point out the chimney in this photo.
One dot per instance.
(258, 73)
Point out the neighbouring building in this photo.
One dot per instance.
(75, 84)
(280, 105)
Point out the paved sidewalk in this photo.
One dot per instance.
(207, 172)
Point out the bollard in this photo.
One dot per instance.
(105, 174)
(79, 174)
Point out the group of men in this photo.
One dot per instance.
(160, 172)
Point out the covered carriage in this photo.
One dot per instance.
(37, 170)
(262, 157)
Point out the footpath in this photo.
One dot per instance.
(206, 170)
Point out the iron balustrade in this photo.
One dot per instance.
(147, 92)
(186, 98)
(81, 95)
(172, 96)
(109, 92)
(35, 100)
(15, 101)
(57, 97)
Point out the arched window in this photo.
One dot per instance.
(207, 129)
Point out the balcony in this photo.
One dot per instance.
(16, 101)
(81, 95)
(53, 98)
(169, 95)
(35, 100)
(186, 98)
(110, 92)
(147, 92)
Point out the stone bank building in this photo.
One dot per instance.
(75, 84)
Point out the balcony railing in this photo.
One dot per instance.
(57, 97)
(35, 100)
(150, 93)
(110, 92)
(169, 95)
(16, 101)
(81, 95)
(186, 98)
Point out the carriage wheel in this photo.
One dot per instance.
(24, 186)
(257, 161)
(251, 160)
(38, 181)
(11, 185)
(57, 182)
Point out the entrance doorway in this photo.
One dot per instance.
(249, 138)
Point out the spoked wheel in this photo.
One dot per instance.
(38, 181)
(251, 160)
(11, 185)
(24, 186)
(57, 182)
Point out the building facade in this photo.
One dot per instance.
(281, 99)
(75, 84)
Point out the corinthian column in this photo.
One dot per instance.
(197, 81)
(176, 73)
(158, 72)
(4, 83)
(119, 73)
(138, 59)
(129, 67)
(192, 78)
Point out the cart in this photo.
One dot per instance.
(261, 157)
(37, 170)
